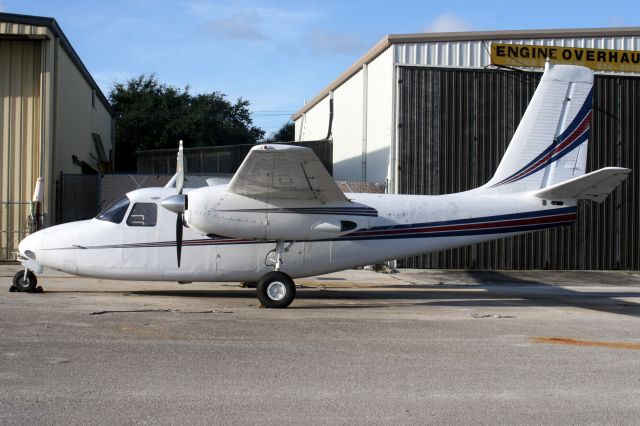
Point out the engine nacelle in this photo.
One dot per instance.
(212, 210)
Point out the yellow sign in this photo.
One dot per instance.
(524, 55)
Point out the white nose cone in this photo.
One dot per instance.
(31, 245)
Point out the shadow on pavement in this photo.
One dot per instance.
(495, 290)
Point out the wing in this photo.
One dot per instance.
(284, 172)
(593, 186)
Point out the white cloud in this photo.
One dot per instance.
(447, 22)
(323, 42)
(238, 26)
(251, 20)
(616, 21)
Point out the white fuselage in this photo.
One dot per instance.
(405, 225)
(283, 197)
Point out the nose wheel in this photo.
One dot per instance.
(276, 290)
(24, 281)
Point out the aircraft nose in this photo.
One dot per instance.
(31, 245)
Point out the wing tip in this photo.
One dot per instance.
(618, 169)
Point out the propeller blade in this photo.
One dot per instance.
(179, 237)
(180, 170)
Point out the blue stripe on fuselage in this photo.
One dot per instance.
(367, 234)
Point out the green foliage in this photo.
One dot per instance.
(152, 115)
(287, 133)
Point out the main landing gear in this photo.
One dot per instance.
(25, 281)
(276, 289)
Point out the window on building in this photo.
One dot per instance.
(93, 99)
(143, 214)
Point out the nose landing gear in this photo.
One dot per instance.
(25, 281)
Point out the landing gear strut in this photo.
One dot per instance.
(276, 289)
(24, 281)
(280, 251)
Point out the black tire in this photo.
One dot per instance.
(25, 285)
(276, 290)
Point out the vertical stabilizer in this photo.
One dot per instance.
(550, 143)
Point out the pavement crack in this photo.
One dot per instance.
(160, 310)
(491, 316)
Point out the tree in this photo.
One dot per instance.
(152, 115)
(287, 133)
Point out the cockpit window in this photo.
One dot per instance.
(116, 211)
(143, 214)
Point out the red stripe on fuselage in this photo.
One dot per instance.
(473, 226)
(507, 223)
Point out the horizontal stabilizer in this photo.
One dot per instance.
(593, 186)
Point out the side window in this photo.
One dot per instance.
(143, 214)
(116, 211)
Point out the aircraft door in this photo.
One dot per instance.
(140, 233)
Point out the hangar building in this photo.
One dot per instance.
(433, 114)
(50, 109)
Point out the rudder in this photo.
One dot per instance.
(550, 143)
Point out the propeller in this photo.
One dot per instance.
(178, 203)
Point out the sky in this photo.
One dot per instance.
(276, 54)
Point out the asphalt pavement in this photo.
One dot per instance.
(355, 347)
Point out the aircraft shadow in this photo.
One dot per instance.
(496, 290)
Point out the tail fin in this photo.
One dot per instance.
(550, 144)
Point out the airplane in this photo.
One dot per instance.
(282, 216)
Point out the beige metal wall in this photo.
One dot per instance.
(76, 118)
(20, 71)
(362, 127)
(348, 113)
(45, 101)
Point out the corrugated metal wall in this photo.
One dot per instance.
(476, 53)
(454, 126)
(19, 139)
(215, 159)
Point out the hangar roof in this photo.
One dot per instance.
(392, 39)
(55, 29)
